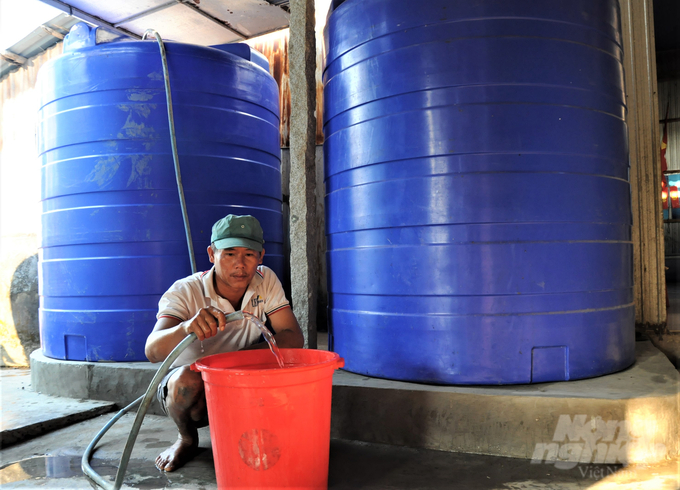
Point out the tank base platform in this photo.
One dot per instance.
(632, 416)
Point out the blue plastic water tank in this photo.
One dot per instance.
(477, 196)
(113, 240)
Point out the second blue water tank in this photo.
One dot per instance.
(478, 204)
(113, 239)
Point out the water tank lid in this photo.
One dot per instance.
(83, 35)
(80, 36)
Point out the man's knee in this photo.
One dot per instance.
(185, 389)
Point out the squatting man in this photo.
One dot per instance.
(199, 303)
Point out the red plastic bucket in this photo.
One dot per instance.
(270, 427)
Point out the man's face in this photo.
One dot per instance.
(235, 267)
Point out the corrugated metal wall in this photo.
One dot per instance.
(275, 47)
(19, 212)
(669, 98)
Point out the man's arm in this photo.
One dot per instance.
(288, 333)
(169, 332)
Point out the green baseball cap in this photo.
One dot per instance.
(237, 231)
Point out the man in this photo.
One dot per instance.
(198, 303)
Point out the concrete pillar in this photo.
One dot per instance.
(637, 22)
(302, 69)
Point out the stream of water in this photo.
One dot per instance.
(268, 336)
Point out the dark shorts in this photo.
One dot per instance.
(162, 395)
(162, 391)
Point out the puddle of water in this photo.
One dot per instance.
(140, 474)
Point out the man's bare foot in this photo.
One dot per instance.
(176, 456)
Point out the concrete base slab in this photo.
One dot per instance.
(120, 382)
(628, 417)
(27, 414)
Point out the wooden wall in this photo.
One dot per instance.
(637, 23)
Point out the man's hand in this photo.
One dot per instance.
(205, 323)
(170, 331)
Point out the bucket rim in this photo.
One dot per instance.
(334, 361)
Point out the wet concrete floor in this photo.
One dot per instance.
(52, 461)
(352, 465)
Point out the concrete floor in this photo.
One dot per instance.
(27, 414)
(52, 460)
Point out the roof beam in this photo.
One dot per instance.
(146, 12)
(74, 12)
(13, 58)
(53, 32)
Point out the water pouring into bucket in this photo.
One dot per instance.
(268, 337)
(270, 427)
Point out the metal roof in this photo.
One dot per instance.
(39, 40)
(204, 22)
